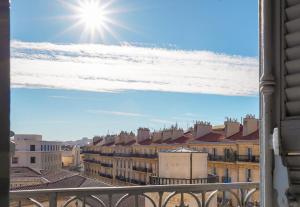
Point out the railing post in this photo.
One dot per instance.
(53, 200)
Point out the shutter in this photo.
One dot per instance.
(290, 93)
(290, 80)
(292, 58)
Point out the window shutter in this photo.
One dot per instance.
(290, 90)
(292, 58)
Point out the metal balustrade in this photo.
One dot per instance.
(248, 158)
(105, 175)
(226, 179)
(155, 180)
(202, 194)
(142, 169)
(234, 158)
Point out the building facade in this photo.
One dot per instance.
(31, 151)
(233, 152)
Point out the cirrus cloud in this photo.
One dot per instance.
(114, 68)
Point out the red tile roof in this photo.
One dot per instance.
(109, 144)
(239, 136)
(130, 143)
(146, 142)
(211, 137)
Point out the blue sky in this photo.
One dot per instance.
(164, 62)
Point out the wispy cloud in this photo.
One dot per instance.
(106, 68)
(161, 121)
(116, 113)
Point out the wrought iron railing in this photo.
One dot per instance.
(106, 165)
(248, 158)
(154, 180)
(142, 169)
(226, 179)
(157, 196)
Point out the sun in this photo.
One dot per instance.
(95, 18)
(92, 14)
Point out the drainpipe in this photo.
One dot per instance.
(267, 85)
(191, 167)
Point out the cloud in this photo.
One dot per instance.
(116, 113)
(108, 68)
(161, 121)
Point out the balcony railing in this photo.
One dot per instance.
(92, 161)
(105, 175)
(154, 180)
(106, 165)
(122, 178)
(226, 179)
(145, 155)
(222, 158)
(248, 158)
(142, 169)
(89, 152)
(203, 194)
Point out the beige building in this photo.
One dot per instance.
(233, 152)
(71, 157)
(31, 151)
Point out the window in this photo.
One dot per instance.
(214, 152)
(32, 147)
(248, 175)
(226, 174)
(32, 160)
(41, 147)
(214, 171)
(249, 153)
(15, 160)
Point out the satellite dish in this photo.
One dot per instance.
(11, 134)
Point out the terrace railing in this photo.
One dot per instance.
(154, 180)
(203, 194)
(248, 158)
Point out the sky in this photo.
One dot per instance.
(142, 63)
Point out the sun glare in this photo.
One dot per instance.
(94, 17)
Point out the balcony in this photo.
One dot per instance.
(105, 175)
(104, 196)
(222, 158)
(107, 165)
(226, 179)
(89, 152)
(110, 154)
(151, 156)
(122, 178)
(92, 161)
(122, 155)
(248, 158)
(142, 169)
(154, 180)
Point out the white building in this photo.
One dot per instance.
(31, 151)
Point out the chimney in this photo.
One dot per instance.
(232, 126)
(250, 124)
(166, 134)
(177, 133)
(109, 139)
(156, 136)
(129, 137)
(143, 134)
(202, 128)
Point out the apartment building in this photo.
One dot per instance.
(31, 151)
(233, 152)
